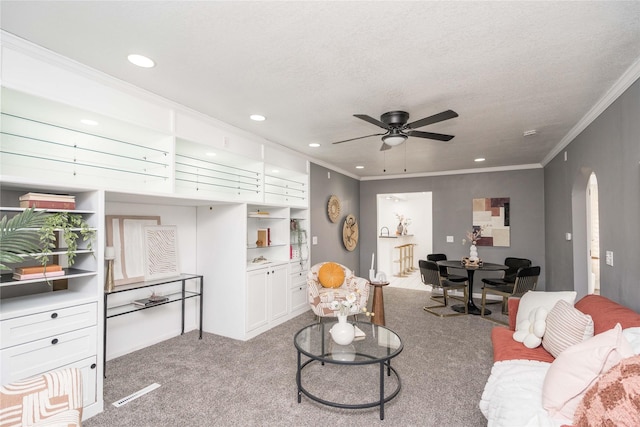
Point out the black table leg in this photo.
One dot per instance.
(299, 380)
(471, 306)
(382, 390)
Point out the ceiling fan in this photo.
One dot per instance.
(398, 130)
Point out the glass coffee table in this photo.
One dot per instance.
(378, 346)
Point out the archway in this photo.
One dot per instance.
(593, 232)
(580, 230)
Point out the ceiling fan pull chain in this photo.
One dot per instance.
(405, 156)
(385, 161)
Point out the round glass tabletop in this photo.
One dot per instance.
(378, 343)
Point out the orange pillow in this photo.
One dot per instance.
(331, 275)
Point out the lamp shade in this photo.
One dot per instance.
(394, 139)
(109, 253)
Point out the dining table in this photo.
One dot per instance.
(471, 270)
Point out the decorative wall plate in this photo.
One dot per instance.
(350, 232)
(333, 208)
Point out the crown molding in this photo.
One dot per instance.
(622, 84)
(455, 172)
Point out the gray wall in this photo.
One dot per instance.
(452, 214)
(610, 147)
(330, 246)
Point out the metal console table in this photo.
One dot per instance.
(181, 296)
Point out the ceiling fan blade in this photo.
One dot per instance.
(430, 135)
(385, 147)
(372, 121)
(360, 137)
(445, 115)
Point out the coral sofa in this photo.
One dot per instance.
(523, 380)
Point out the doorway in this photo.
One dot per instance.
(593, 235)
(415, 212)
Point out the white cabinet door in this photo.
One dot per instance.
(278, 291)
(256, 299)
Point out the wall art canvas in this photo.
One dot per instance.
(126, 234)
(491, 217)
(161, 252)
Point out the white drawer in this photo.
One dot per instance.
(33, 358)
(297, 268)
(298, 279)
(21, 330)
(299, 297)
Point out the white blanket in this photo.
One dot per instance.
(512, 396)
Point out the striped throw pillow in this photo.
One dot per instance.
(566, 326)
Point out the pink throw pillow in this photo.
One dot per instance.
(613, 400)
(578, 367)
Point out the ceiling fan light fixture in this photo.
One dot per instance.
(394, 139)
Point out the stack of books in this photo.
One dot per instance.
(152, 300)
(38, 272)
(48, 201)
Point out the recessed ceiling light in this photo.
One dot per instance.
(89, 122)
(275, 171)
(359, 167)
(258, 117)
(141, 61)
(314, 145)
(210, 153)
(479, 159)
(529, 132)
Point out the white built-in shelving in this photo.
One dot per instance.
(148, 155)
(52, 323)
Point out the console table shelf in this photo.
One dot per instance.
(182, 296)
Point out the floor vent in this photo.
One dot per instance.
(136, 395)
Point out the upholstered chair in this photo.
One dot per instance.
(339, 281)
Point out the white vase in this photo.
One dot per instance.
(473, 253)
(342, 332)
(344, 353)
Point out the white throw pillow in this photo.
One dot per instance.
(633, 336)
(530, 331)
(578, 367)
(534, 299)
(566, 326)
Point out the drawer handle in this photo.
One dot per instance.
(54, 315)
(54, 341)
(93, 366)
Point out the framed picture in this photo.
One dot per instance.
(160, 252)
(492, 217)
(126, 234)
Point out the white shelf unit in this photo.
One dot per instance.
(47, 139)
(205, 171)
(299, 262)
(47, 326)
(286, 187)
(274, 223)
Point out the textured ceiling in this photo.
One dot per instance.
(504, 67)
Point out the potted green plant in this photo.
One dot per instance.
(34, 232)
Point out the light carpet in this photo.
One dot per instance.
(218, 381)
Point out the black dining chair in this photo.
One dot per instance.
(526, 280)
(444, 271)
(430, 275)
(509, 277)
